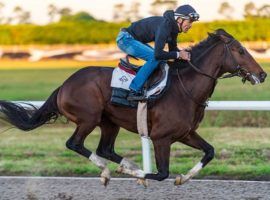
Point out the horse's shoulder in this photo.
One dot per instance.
(177, 65)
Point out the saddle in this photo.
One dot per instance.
(126, 72)
(124, 62)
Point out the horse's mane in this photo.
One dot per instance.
(199, 48)
(212, 38)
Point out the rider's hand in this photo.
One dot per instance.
(188, 49)
(184, 55)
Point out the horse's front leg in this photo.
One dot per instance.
(195, 141)
(162, 155)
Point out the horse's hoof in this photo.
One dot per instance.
(142, 181)
(179, 180)
(104, 180)
(105, 177)
(119, 170)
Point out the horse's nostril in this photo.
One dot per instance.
(263, 76)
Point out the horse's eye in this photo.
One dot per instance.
(241, 51)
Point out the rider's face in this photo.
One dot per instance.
(186, 25)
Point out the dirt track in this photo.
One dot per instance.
(12, 188)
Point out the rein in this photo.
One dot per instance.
(188, 92)
(238, 72)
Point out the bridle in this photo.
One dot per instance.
(238, 71)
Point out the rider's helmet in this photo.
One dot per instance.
(186, 12)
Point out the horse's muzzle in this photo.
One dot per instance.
(263, 75)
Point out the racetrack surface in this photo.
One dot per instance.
(69, 188)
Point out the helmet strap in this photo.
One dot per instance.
(180, 24)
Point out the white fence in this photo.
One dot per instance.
(213, 105)
(238, 105)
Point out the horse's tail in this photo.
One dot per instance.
(28, 119)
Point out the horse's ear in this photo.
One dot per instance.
(211, 34)
(224, 38)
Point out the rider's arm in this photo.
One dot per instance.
(173, 44)
(160, 40)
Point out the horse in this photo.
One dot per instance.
(84, 98)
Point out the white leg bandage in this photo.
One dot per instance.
(131, 168)
(128, 164)
(195, 170)
(102, 164)
(98, 161)
(184, 178)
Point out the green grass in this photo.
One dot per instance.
(241, 153)
(31, 84)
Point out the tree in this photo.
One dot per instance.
(78, 17)
(264, 11)
(118, 12)
(83, 16)
(250, 10)
(52, 12)
(133, 13)
(158, 7)
(226, 10)
(24, 18)
(64, 12)
(1, 17)
(21, 16)
(17, 11)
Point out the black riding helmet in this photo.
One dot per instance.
(186, 12)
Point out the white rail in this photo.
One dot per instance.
(213, 105)
(238, 105)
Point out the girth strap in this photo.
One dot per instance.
(142, 119)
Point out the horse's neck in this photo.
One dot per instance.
(201, 86)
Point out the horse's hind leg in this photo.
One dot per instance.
(109, 132)
(76, 143)
(195, 141)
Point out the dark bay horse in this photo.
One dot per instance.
(84, 98)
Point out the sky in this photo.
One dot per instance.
(103, 9)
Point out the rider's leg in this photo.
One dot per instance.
(135, 48)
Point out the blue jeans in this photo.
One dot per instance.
(135, 48)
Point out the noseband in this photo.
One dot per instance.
(238, 71)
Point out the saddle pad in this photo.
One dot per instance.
(122, 79)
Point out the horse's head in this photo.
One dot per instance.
(237, 60)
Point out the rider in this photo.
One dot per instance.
(160, 29)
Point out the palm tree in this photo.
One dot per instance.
(158, 7)
(264, 11)
(133, 13)
(118, 12)
(1, 17)
(250, 10)
(25, 18)
(52, 12)
(21, 16)
(226, 10)
(65, 12)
